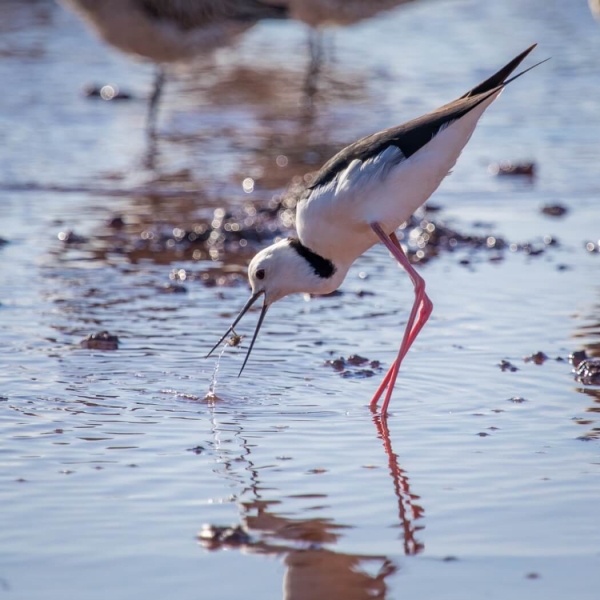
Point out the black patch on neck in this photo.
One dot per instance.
(323, 267)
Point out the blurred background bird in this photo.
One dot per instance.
(322, 14)
(166, 32)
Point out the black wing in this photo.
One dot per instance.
(413, 135)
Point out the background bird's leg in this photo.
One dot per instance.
(159, 81)
(419, 315)
(315, 42)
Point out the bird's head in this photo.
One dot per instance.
(277, 271)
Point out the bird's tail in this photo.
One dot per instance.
(500, 78)
(269, 9)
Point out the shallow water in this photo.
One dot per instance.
(113, 461)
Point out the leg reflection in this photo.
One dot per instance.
(408, 510)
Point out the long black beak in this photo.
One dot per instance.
(244, 310)
(263, 312)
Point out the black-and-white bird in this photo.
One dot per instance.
(172, 31)
(360, 197)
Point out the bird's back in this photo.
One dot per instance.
(166, 31)
(386, 176)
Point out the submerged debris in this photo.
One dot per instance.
(100, 341)
(505, 365)
(554, 210)
(215, 537)
(172, 288)
(341, 365)
(539, 358)
(517, 400)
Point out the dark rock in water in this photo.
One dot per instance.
(197, 449)
(3, 242)
(508, 168)
(356, 361)
(100, 341)
(344, 366)
(591, 247)
(576, 357)
(505, 365)
(214, 537)
(539, 358)
(588, 371)
(554, 210)
(172, 288)
(116, 222)
(358, 374)
(517, 400)
(70, 237)
(338, 364)
(105, 92)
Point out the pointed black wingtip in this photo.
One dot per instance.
(500, 77)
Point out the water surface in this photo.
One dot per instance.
(113, 461)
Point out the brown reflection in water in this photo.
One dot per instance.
(312, 571)
(593, 433)
(590, 333)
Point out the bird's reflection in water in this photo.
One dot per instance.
(589, 334)
(313, 571)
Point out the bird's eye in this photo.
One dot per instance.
(260, 274)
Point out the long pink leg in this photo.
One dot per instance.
(419, 315)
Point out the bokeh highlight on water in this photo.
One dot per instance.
(112, 461)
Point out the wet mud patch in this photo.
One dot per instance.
(100, 341)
